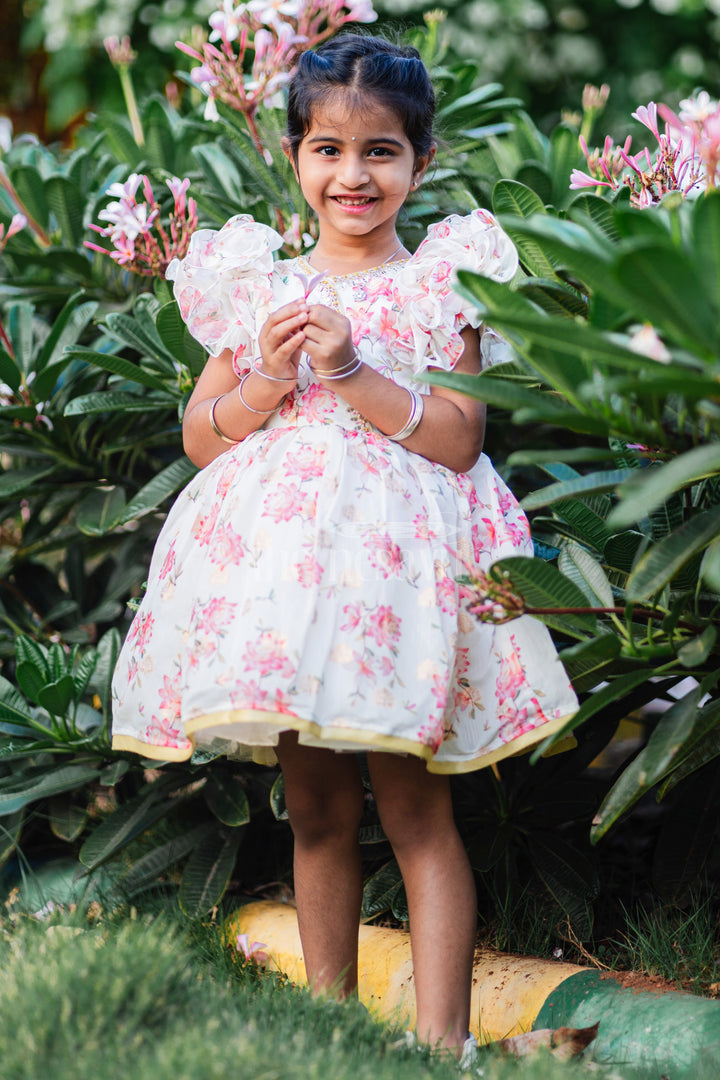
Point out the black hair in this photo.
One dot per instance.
(394, 75)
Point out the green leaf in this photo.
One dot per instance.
(146, 871)
(138, 335)
(30, 679)
(509, 197)
(225, 794)
(694, 653)
(67, 819)
(587, 656)
(645, 490)
(567, 874)
(68, 206)
(710, 568)
(114, 401)
(220, 172)
(670, 293)
(108, 650)
(178, 340)
(208, 872)
(15, 481)
(583, 485)
(602, 214)
(118, 366)
(672, 730)
(120, 138)
(19, 326)
(541, 585)
(705, 244)
(277, 799)
(553, 298)
(702, 746)
(661, 563)
(381, 889)
(41, 781)
(30, 188)
(124, 824)
(100, 511)
(10, 373)
(595, 703)
(13, 706)
(161, 487)
(565, 156)
(498, 392)
(579, 565)
(56, 697)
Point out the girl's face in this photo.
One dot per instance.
(355, 167)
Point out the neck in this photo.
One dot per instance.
(346, 258)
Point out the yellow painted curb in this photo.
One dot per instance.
(507, 995)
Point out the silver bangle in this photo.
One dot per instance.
(260, 412)
(264, 374)
(416, 414)
(214, 426)
(342, 372)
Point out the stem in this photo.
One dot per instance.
(642, 613)
(6, 341)
(131, 104)
(32, 223)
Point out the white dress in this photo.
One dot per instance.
(305, 579)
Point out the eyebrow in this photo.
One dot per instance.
(379, 139)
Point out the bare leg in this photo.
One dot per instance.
(324, 797)
(416, 813)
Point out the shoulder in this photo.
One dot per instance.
(242, 244)
(473, 241)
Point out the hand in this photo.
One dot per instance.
(328, 339)
(282, 340)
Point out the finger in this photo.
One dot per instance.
(272, 336)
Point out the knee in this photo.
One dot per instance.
(412, 823)
(320, 816)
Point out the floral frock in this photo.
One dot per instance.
(305, 579)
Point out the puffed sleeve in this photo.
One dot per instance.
(429, 314)
(223, 285)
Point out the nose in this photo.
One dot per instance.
(353, 171)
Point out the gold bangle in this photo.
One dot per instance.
(340, 372)
(216, 429)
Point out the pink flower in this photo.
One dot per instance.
(510, 679)
(215, 615)
(284, 503)
(268, 654)
(227, 547)
(307, 462)
(385, 554)
(354, 615)
(309, 572)
(168, 562)
(384, 626)
(252, 951)
(204, 525)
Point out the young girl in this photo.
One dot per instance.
(302, 598)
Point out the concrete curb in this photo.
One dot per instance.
(647, 1034)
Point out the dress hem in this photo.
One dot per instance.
(358, 739)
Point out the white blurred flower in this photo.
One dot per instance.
(646, 342)
(6, 133)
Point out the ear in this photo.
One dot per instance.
(422, 163)
(287, 150)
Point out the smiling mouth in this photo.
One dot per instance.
(349, 200)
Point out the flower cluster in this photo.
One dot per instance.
(273, 32)
(141, 242)
(686, 159)
(489, 601)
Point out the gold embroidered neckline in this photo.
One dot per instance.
(370, 271)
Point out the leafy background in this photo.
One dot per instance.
(616, 456)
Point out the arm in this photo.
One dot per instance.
(279, 341)
(452, 428)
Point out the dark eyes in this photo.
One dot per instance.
(375, 151)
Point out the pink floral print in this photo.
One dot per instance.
(306, 578)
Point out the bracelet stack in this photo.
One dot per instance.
(416, 413)
(264, 374)
(344, 372)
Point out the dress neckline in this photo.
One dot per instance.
(373, 271)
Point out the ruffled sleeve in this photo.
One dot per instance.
(223, 285)
(429, 314)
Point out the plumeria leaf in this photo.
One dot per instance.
(161, 487)
(664, 560)
(644, 491)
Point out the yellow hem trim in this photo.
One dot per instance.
(363, 739)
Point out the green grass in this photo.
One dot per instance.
(142, 999)
(682, 946)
